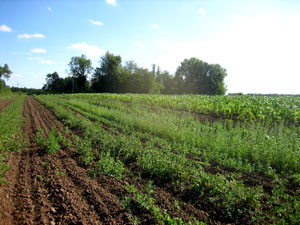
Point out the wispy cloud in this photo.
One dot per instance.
(36, 76)
(49, 62)
(28, 36)
(202, 11)
(137, 43)
(111, 2)
(98, 23)
(16, 75)
(42, 61)
(34, 58)
(49, 9)
(155, 26)
(5, 28)
(38, 50)
(89, 50)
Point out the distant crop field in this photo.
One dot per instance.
(150, 159)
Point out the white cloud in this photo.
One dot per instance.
(163, 42)
(202, 11)
(42, 61)
(138, 44)
(16, 75)
(49, 9)
(95, 22)
(13, 53)
(38, 50)
(36, 76)
(155, 25)
(28, 36)
(5, 28)
(111, 2)
(34, 58)
(89, 50)
(49, 62)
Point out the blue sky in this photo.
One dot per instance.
(256, 41)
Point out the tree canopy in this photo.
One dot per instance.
(193, 76)
(5, 72)
(79, 68)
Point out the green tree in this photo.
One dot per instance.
(5, 72)
(53, 83)
(79, 68)
(107, 77)
(194, 76)
(167, 82)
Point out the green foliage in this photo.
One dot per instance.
(112, 77)
(3, 88)
(145, 200)
(79, 68)
(51, 142)
(108, 165)
(5, 72)
(170, 144)
(197, 77)
(10, 136)
(60, 173)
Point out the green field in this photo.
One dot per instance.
(237, 156)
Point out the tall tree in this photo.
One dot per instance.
(194, 76)
(54, 83)
(167, 82)
(5, 72)
(107, 76)
(79, 68)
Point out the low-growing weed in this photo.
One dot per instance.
(108, 165)
(60, 173)
(145, 200)
(51, 142)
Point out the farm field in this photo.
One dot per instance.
(149, 159)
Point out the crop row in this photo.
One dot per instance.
(251, 108)
(250, 147)
(161, 159)
(10, 138)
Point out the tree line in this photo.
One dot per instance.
(193, 76)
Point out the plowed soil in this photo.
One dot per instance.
(4, 103)
(54, 189)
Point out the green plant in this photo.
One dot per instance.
(108, 165)
(51, 142)
(60, 173)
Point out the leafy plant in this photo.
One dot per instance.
(108, 165)
(51, 142)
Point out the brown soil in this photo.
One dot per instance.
(4, 103)
(53, 189)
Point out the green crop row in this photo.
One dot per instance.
(250, 147)
(10, 138)
(163, 165)
(251, 108)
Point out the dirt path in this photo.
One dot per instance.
(4, 103)
(53, 189)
